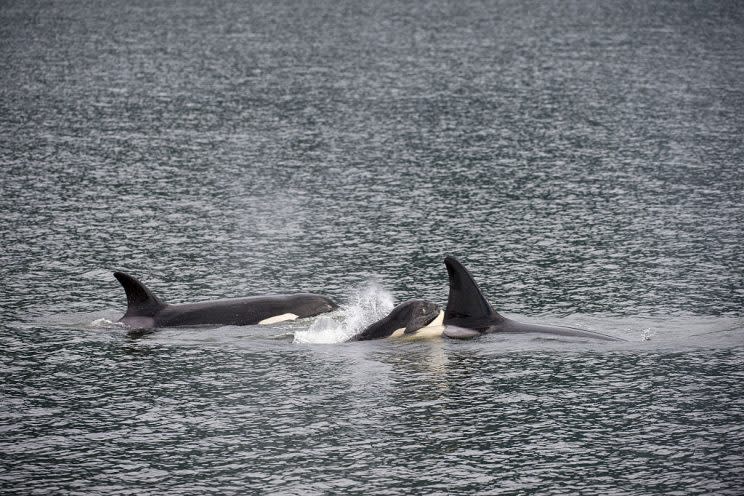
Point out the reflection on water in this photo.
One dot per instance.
(116, 415)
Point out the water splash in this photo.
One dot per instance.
(104, 323)
(367, 305)
(324, 330)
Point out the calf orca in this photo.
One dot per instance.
(145, 310)
(411, 318)
(469, 314)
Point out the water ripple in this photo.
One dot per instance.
(583, 159)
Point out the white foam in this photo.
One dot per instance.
(367, 305)
(324, 330)
(105, 324)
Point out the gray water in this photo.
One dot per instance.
(583, 159)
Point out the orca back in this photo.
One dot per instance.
(140, 300)
(466, 303)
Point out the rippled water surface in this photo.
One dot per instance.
(584, 160)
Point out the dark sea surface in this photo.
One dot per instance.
(585, 160)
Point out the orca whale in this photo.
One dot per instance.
(420, 318)
(469, 314)
(145, 310)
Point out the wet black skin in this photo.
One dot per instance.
(145, 310)
(469, 314)
(411, 315)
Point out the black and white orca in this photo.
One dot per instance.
(413, 318)
(145, 310)
(469, 314)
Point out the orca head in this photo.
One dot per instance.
(328, 305)
(417, 314)
(404, 320)
(467, 308)
(315, 304)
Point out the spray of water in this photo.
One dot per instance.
(366, 305)
(106, 324)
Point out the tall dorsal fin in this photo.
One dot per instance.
(140, 300)
(465, 298)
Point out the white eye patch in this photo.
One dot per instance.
(278, 318)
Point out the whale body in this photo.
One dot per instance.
(469, 314)
(145, 310)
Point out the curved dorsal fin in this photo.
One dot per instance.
(140, 300)
(465, 298)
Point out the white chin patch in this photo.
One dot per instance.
(430, 331)
(433, 329)
(438, 321)
(455, 332)
(278, 318)
(398, 332)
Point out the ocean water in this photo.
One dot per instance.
(583, 159)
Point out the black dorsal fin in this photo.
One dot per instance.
(465, 298)
(140, 300)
